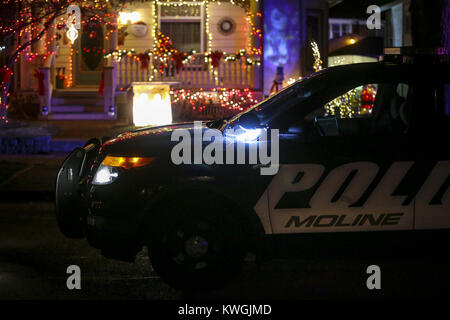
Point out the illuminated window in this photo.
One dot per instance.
(335, 31)
(340, 27)
(184, 25)
(446, 99)
(345, 29)
(181, 11)
(356, 103)
(351, 113)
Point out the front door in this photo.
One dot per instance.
(89, 55)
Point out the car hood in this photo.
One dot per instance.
(149, 141)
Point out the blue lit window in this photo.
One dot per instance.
(447, 99)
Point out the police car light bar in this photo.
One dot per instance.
(413, 54)
(413, 51)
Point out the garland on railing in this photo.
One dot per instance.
(179, 58)
(249, 59)
(215, 57)
(183, 57)
(165, 52)
(230, 99)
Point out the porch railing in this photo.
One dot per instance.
(195, 73)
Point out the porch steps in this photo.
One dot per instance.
(79, 116)
(77, 104)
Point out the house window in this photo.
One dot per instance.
(184, 24)
(335, 31)
(339, 28)
(345, 29)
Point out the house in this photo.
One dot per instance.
(398, 23)
(350, 40)
(231, 53)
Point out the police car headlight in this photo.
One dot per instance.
(105, 175)
(109, 169)
(242, 134)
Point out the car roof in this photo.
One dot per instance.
(416, 70)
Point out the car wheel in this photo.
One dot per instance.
(197, 249)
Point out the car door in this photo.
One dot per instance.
(432, 203)
(354, 176)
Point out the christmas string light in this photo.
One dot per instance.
(35, 20)
(101, 11)
(317, 66)
(254, 33)
(208, 31)
(155, 22)
(292, 80)
(70, 77)
(357, 101)
(230, 99)
(343, 106)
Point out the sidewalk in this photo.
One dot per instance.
(29, 177)
(86, 129)
(72, 134)
(34, 137)
(32, 177)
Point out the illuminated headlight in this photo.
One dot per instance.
(242, 134)
(105, 175)
(108, 171)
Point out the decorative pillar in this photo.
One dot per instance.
(25, 74)
(113, 45)
(110, 78)
(109, 91)
(51, 47)
(46, 99)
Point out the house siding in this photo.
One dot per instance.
(238, 39)
(145, 43)
(228, 43)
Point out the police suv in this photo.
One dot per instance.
(363, 149)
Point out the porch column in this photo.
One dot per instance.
(50, 59)
(109, 91)
(110, 78)
(26, 74)
(113, 45)
(45, 100)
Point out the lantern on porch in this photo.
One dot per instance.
(72, 34)
(74, 21)
(151, 104)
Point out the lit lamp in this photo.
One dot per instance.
(72, 33)
(151, 104)
(133, 17)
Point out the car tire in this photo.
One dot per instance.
(197, 247)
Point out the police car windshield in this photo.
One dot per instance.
(283, 100)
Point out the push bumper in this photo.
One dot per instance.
(116, 237)
(70, 181)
